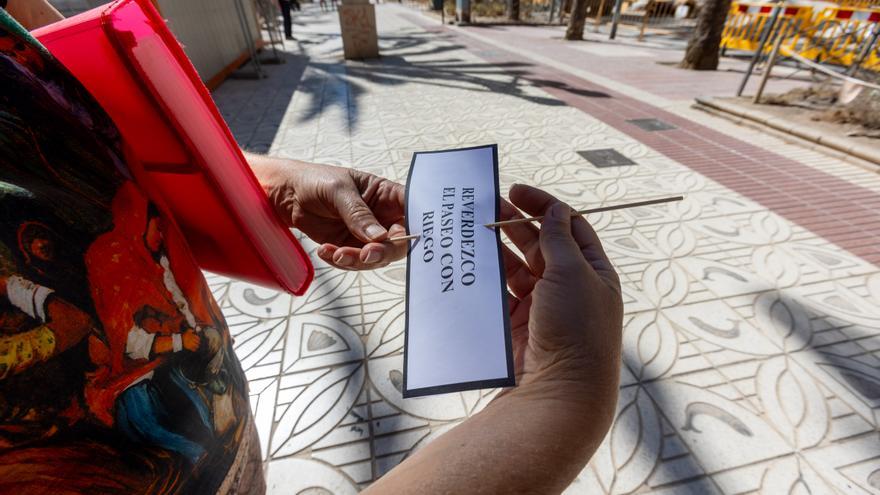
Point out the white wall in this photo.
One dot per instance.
(208, 29)
(73, 7)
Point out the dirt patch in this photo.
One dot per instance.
(824, 103)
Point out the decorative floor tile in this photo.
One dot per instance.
(720, 433)
(307, 476)
(751, 344)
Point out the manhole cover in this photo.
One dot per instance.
(651, 124)
(607, 157)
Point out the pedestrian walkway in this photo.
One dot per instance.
(648, 66)
(812, 198)
(752, 329)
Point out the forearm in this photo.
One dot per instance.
(33, 14)
(266, 168)
(521, 443)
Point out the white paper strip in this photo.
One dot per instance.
(457, 324)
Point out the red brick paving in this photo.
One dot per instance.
(840, 211)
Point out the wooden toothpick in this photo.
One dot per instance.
(591, 210)
(404, 238)
(574, 214)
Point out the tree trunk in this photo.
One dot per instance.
(575, 29)
(512, 10)
(705, 43)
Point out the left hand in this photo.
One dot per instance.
(352, 213)
(566, 311)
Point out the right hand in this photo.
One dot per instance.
(566, 305)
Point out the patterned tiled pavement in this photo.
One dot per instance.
(752, 328)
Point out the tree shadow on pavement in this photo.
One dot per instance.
(793, 324)
(330, 82)
(254, 109)
(861, 379)
(415, 61)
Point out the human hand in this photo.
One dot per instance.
(566, 305)
(352, 213)
(566, 318)
(191, 340)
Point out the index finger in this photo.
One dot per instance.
(534, 201)
(399, 192)
(524, 236)
(395, 250)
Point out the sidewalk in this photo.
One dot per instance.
(648, 66)
(752, 328)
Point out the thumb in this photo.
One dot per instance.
(558, 246)
(358, 217)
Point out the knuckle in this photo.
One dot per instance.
(337, 183)
(556, 236)
(359, 212)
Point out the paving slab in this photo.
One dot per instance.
(752, 328)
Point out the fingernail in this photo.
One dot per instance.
(375, 230)
(372, 257)
(343, 259)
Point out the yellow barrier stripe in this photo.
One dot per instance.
(835, 34)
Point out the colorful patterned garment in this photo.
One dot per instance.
(116, 367)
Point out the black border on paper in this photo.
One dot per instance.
(510, 379)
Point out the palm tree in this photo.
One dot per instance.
(513, 10)
(576, 22)
(705, 43)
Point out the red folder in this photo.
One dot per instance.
(183, 153)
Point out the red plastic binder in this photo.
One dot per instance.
(184, 154)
